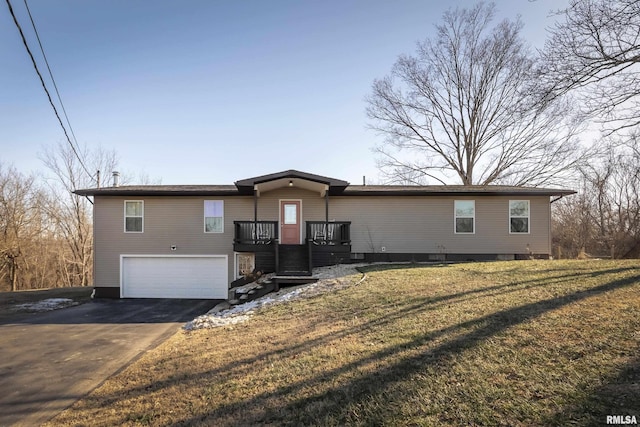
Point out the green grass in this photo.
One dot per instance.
(506, 343)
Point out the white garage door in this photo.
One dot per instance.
(201, 277)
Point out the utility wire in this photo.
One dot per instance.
(44, 86)
(64, 111)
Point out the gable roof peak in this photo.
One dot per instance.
(290, 174)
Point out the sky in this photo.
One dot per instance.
(211, 92)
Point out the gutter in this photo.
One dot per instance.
(555, 200)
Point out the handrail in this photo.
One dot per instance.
(329, 233)
(255, 232)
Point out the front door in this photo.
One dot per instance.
(290, 222)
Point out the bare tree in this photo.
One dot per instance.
(20, 225)
(466, 105)
(604, 219)
(594, 52)
(71, 213)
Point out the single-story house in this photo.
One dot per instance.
(193, 241)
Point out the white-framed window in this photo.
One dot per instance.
(290, 213)
(519, 214)
(133, 216)
(465, 216)
(246, 264)
(213, 216)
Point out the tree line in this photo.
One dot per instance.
(46, 235)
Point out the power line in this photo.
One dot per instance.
(64, 111)
(44, 86)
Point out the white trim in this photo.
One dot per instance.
(235, 262)
(280, 217)
(123, 256)
(124, 220)
(455, 217)
(528, 217)
(204, 216)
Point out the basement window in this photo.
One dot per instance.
(246, 264)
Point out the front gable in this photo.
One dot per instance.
(292, 178)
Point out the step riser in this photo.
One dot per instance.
(293, 260)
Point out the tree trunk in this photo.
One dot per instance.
(13, 274)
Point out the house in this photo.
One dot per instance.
(193, 241)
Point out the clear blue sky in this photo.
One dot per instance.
(209, 92)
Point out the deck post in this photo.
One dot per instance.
(326, 214)
(255, 215)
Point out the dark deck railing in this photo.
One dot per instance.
(329, 233)
(255, 232)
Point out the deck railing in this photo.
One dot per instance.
(255, 232)
(329, 233)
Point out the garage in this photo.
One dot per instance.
(174, 276)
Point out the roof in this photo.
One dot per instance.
(352, 190)
(335, 187)
(452, 190)
(292, 173)
(161, 190)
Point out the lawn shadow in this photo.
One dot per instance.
(617, 395)
(411, 307)
(336, 400)
(340, 400)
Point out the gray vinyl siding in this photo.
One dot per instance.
(420, 224)
(426, 225)
(167, 221)
(417, 224)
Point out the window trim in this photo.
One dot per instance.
(528, 217)
(127, 216)
(204, 216)
(455, 217)
(237, 256)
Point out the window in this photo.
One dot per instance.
(290, 214)
(465, 216)
(133, 216)
(518, 216)
(213, 216)
(246, 263)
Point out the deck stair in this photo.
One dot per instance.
(293, 260)
(294, 268)
(252, 291)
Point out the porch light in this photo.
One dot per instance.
(290, 183)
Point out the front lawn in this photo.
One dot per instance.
(505, 343)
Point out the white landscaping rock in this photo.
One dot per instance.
(331, 278)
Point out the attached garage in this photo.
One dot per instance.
(174, 276)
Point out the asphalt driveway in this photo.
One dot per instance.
(50, 360)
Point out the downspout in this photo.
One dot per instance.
(551, 225)
(556, 199)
